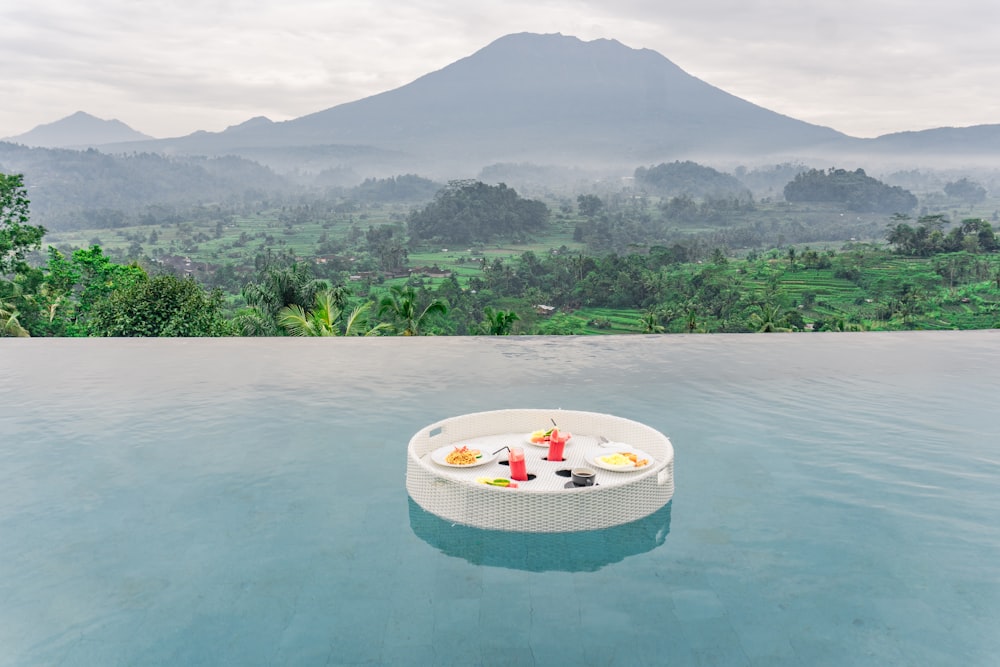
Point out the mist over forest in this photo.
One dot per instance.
(549, 115)
(475, 186)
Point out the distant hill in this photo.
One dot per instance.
(73, 189)
(529, 104)
(975, 140)
(81, 130)
(558, 101)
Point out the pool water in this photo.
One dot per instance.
(242, 502)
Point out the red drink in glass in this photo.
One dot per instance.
(518, 469)
(556, 443)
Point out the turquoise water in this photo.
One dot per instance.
(242, 502)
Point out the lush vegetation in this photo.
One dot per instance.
(928, 237)
(88, 189)
(17, 236)
(473, 212)
(371, 262)
(854, 189)
(406, 188)
(689, 179)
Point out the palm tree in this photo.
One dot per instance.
(768, 319)
(498, 322)
(401, 304)
(9, 324)
(325, 318)
(692, 320)
(320, 321)
(253, 322)
(355, 323)
(842, 324)
(279, 287)
(650, 322)
(51, 300)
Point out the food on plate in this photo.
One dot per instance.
(500, 481)
(545, 437)
(462, 456)
(540, 436)
(620, 459)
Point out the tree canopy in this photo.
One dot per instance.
(405, 188)
(928, 237)
(408, 318)
(160, 306)
(17, 237)
(854, 189)
(690, 179)
(968, 191)
(466, 212)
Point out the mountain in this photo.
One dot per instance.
(537, 97)
(81, 130)
(551, 100)
(530, 95)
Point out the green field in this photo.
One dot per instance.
(880, 291)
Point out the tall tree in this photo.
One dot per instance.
(589, 205)
(276, 287)
(768, 318)
(498, 322)
(17, 237)
(162, 306)
(387, 248)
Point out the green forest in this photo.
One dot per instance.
(679, 248)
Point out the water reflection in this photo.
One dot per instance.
(586, 551)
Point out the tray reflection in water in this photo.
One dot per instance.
(585, 551)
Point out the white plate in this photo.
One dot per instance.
(439, 455)
(527, 439)
(594, 457)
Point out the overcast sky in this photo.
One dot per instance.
(864, 67)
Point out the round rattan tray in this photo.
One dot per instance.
(548, 503)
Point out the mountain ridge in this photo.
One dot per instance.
(79, 130)
(529, 97)
(525, 95)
